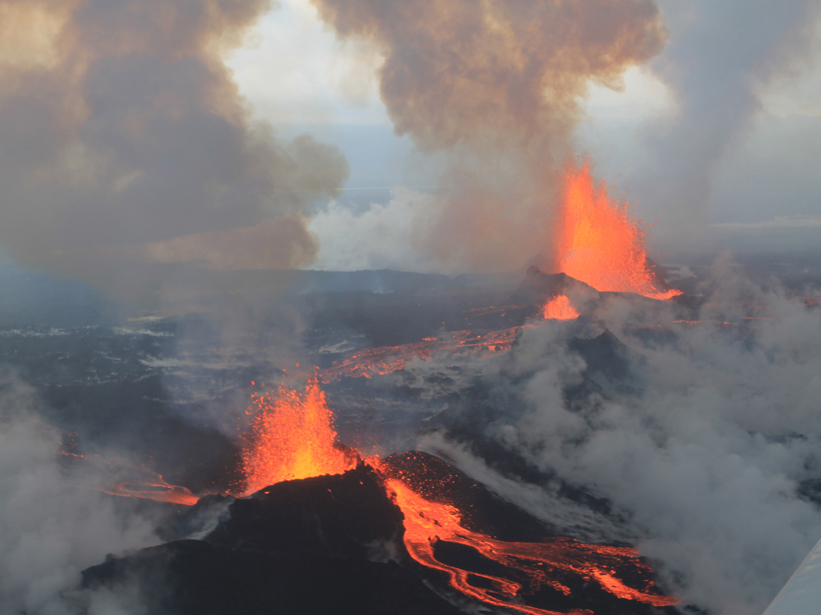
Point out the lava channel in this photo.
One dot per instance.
(541, 564)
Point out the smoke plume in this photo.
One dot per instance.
(720, 58)
(497, 84)
(120, 126)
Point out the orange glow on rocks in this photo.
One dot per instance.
(533, 565)
(559, 308)
(599, 243)
(292, 437)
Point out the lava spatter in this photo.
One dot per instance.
(598, 243)
(292, 436)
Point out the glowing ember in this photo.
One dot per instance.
(559, 308)
(599, 244)
(541, 564)
(292, 437)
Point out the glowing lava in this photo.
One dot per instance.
(158, 490)
(292, 437)
(136, 481)
(538, 564)
(559, 308)
(599, 244)
(387, 359)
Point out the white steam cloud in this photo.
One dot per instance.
(702, 448)
(52, 523)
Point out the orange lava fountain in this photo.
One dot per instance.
(559, 308)
(599, 244)
(540, 563)
(292, 437)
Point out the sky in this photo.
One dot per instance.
(424, 136)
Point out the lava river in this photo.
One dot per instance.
(292, 437)
(295, 438)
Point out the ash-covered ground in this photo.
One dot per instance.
(687, 428)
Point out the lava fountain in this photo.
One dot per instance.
(559, 308)
(598, 243)
(292, 437)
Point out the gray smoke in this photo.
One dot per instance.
(497, 85)
(707, 446)
(719, 58)
(53, 523)
(124, 139)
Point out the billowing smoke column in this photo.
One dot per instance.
(123, 138)
(498, 85)
(720, 57)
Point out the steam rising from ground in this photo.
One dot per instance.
(703, 445)
(121, 126)
(52, 523)
(498, 84)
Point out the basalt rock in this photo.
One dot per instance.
(192, 577)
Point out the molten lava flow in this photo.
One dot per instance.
(135, 481)
(599, 244)
(387, 359)
(536, 565)
(292, 437)
(559, 308)
(157, 490)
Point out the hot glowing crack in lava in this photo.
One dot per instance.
(599, 244)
